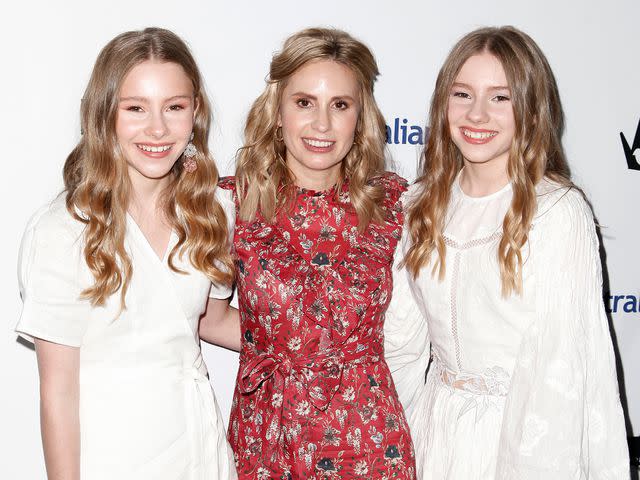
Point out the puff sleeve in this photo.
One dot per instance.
(563, 418)
(52, 274)
(225, 198)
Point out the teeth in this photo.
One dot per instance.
(318, 143)
(478, 135)
(149, 148)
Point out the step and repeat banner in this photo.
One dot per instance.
(48, 50)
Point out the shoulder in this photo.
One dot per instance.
(560, 202)
(54, 223)
(227, 183)
(391, 182)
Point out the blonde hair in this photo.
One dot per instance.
(536, 151)
(97, 183)
(263, 180)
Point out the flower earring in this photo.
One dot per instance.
(188, 161)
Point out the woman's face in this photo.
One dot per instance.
(480, 112)
(318, 114)
(155, 118)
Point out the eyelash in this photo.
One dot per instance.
(499, 98)
(138, 109)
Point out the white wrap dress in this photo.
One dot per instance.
(522, 387)
(147, 410)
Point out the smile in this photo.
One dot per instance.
(318, 143)
(478, 135)
(154, 149)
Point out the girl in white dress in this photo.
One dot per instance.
(116, 273)
(500, 284)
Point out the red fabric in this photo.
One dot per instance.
(314, 397)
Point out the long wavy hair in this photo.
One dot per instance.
(536, 151)
(97, 183)
(263, 181)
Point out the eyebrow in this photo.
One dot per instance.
(464, 85)
(144, 99)
(313, 97)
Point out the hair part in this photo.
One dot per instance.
(97, 181)
(536, 151)
(264, 182)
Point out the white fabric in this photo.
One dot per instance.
(147, 410)
(519, 388)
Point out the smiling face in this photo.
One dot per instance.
(480, 112)
(154, 119)
(318, 114)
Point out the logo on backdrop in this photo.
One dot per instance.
(631, 152)
(401, 132)
(622, 303)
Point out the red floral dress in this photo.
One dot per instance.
(314, 397)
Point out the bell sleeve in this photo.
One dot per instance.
(563, 418)
(52, 274)
(406, 339)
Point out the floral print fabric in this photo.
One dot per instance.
(314, 397)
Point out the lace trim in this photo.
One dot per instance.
(453, 300)
(493, 381)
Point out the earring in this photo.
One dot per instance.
(279, 136)
(188, 161)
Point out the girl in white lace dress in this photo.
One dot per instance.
(499, 284)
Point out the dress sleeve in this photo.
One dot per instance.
(51, 276)
(406, 339)
(225, 197)
(563, 418)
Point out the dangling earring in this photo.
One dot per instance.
(279, 136)
(188, 161)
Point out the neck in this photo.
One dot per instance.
(317, 180)
(145, 195)
(482, 179)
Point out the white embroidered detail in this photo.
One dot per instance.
(454, 283)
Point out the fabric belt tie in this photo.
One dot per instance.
(320, 375)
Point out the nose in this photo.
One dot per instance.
(477, 112)
(322, 120)
(157, 126)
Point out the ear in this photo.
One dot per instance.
(279, 120)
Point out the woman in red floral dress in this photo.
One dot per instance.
(317, 224)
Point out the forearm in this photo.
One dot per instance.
(221, 325)
(59, 368)
(59, 421)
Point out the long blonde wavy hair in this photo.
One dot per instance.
(97, 183)
(536, 151)
(263, 181)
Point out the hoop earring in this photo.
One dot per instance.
(278, 135)
(188, 161)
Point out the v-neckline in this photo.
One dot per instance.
(149, 247)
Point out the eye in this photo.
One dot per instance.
(303, 102)
(176, 108)
(459, 94)
(341, 105)
(134, 108)
(501, 98)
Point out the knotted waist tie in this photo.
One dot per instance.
(320, 375)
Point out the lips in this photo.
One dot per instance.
(318, 145)
(477, 136)
(154, 151)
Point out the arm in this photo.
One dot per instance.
(58, 366)
(406, 339)
(562, 416)
(220, 324)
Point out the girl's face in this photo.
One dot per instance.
(318, 114)
(155, 118)
(480, 113)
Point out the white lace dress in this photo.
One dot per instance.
(518, 388)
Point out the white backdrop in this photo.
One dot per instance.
(48, 49)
